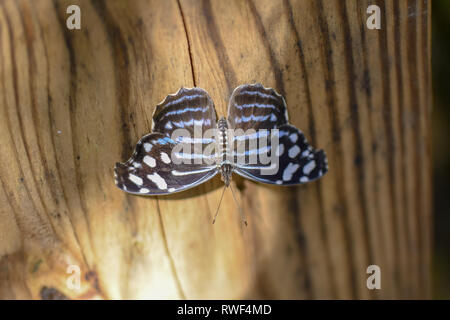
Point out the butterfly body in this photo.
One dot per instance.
(188, 146)
(226, 168)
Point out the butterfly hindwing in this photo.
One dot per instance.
(295, 162)
(155, 169)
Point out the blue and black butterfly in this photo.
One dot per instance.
(161, 165)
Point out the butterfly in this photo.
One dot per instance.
(177, 155)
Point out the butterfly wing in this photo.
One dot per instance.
(289, 159)
(252, 106)
(156, 168)
(292, 160)
(188, 109)
(173, 157)
(188, 117)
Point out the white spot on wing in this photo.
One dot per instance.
(273, 117)
(147, 147)
(165, 158)
(150, 161)
(294, 151)
(289, 171)
(309, 167)
(293, 137)
(158, 180)
(171, 189)
(184, 173)
(138, 181)
(137, 165)
(304, 179)
(144, 190)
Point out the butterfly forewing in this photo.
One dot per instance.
(189, 117)
(187, 109)
(252, 106)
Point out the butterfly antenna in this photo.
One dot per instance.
(218, 207)
(244, 219)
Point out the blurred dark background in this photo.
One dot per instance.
(441, 150)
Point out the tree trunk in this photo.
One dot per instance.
(74, 102)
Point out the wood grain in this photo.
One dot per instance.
(74, 102)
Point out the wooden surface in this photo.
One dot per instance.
(72, 103)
